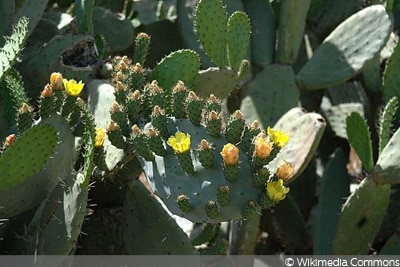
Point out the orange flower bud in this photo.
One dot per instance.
(230, 154)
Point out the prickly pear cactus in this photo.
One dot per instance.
(347, 49)
(13, 46)
(26, 156)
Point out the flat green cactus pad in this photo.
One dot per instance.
(220, 82)
(27, 155)
(169, 181)
(391, 78)
(55, 228)
(346, 50)
(34, 190)
(335, 187)
(149, 229)
(360, 139)
(182, 65)
(275, 84)
(360, 218)
(305, 131)
(387, 168)
(211, 24)
(13, 46)
(238, 38)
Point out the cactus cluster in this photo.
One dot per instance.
(182, 156)
(199, 110)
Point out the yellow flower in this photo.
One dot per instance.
(99, 139)
(278, 137)
(263, 146)
(72, 88)
(284, 170)
(56, 81)
(180, 143)
(230, 154)
(276, 191)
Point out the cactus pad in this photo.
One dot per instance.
(305, 131)
(238, 38)
(211, 25)
(11, 49)
(360, 139)
(182, 65)
(220, 82)
(203, 188)
(387, 167)
(360, 218)
(31, 192)
(346, 50)
(151, 233)
(27, 155)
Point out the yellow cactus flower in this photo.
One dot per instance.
(276, 191)
(99, 139)
(180, 143)
(278, 137)
(263, 146)
(72, 87)
(56, 81)
(230, 154)
(284, 170)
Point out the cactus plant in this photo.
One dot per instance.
(154, 127)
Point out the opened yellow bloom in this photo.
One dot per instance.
(230, 154)
(180, 143)
(276, 191)
(263, 146)
(72, 87)
(99, 139)
(284, 170)
(278, 137)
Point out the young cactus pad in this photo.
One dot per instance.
(169, 181)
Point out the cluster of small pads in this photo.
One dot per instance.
(137, 103)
